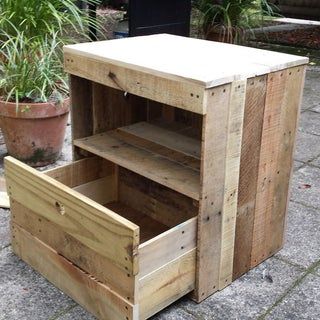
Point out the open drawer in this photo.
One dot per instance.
(118, 243)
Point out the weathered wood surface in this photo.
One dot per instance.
(79, 285)
(250, 154)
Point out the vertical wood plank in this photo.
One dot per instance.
(229, 213)
(213, 159)
(250, 152)
(288, 126)
(270, 142)
(81, 110)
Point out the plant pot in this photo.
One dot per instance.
(34, 132)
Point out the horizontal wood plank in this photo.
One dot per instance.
(170, 144)
(96, 297)
(167, 284)
(112, 147)
(72, 249)
(167, 246)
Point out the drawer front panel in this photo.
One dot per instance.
(72, 249)
(93, 225)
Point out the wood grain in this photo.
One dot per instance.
(90, 223)
(96, 297)
(250, 153)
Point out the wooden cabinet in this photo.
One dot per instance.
(182, 160)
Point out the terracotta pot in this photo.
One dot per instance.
(34, 132)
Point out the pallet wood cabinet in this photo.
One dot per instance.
(182, 160)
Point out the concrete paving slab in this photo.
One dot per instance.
(317, 271)
(311, 93)
(309, 122)
(247, 297)
(76, 312)
(4, 228)
(305, 187)
(316, 108)
(303, 302)
(308, 147)
(316, 162)
(297, 165)
(174, 314)
(24, 294)
(302, 245)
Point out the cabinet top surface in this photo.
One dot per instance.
(206, 63)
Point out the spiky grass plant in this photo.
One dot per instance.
(32, 33)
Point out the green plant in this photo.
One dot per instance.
(31, 69)
(233, 18)
(32, 33)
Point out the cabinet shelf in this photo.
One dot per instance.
(143, 158)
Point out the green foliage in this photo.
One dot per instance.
(233, 17)
(32, 33)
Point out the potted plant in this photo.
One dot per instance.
(230, 20)
(34, 102)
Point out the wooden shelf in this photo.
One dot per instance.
(143, 158)
(149, 228)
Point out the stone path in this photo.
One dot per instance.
(291, 290)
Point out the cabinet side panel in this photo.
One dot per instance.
(250, 152)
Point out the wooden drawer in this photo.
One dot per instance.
(93, 229)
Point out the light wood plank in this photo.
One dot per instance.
(167, 284)
(75, 251)
(90, 223)
(148, 164)
(96, 297)
(250, 153)
(172, 92)
(81, 171)
(229, 213)
(215, 128)
(269, 151)
(102, 190)
(172, 145)
(167, 246)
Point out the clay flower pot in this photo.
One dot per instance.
(34, 132)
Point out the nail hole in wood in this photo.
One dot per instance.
(197, 96)
(252, 83)
(182, 247)
(290, 73)
(224, 90)
(60, 208)
(191, 94)
(182, 231)
(208, 218)
(212, 93)
(126, 308)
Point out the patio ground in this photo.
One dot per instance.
(286, 286)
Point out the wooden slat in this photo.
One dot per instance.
(214, 137)
(90, 223)
(270, 142)
(288, 128)
(170, 144)
(81, 110)
(167, 246)
(80, 286)
(112, 147)
(149, 228)
(102, 190)
(160, 203)
(75, 251)
(188, 96)
(81, 171)
(250, 152)
(167, 284)
(229, 213)
(4, 198)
